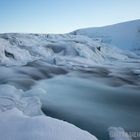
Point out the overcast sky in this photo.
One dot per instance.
(61, 16)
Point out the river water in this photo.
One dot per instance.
(91, 103)
(93, 99)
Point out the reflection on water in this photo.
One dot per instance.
(91, 104)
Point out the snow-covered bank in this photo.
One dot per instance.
(14, 125)
(21, 118)
(10, 98)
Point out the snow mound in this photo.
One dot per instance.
(10, 97)
(123, 35)
(14, 125)
(21, 118)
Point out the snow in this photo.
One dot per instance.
(10, 98)
(53, 48)
(14, 125)
(21, 118)
(123, 35)
(25, 58)
(15, 54)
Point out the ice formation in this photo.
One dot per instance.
(21, 118)
(26, 58)
(19, 49)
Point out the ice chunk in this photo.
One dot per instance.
(10, 97)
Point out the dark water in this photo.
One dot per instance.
(92, 104)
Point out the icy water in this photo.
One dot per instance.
(91, 104)
(93, 99)
(88, 83)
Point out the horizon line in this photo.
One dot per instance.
(43, 33)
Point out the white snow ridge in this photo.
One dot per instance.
(14, 125)
(21, 118)
(123, 35)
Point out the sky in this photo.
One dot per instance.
(62, 16)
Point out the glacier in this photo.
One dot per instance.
(21, 118)
(72, 49)
(107, 54)
(124, 35)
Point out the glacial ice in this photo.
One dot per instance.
(25, 58)
(17, 58)
(54, 48)
(21, 118)
(123, 35)
(10, 98)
